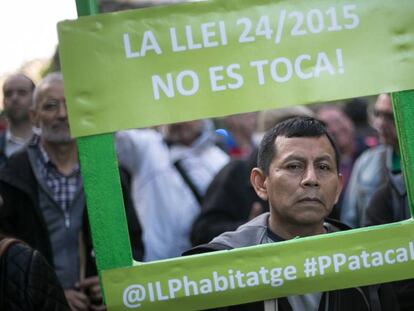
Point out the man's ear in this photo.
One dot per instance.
(340, 187)
(258, 179)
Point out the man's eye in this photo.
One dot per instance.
(19, 92)
(324, 167)
(8, 94)
(22, 92)
(51, 105)
(294, 166)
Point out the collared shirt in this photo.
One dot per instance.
(13, 143)
(62, 205)
(63, 187)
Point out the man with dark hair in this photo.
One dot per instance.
(292, 128)
(230, 200)
(17, 100)
(298, 175)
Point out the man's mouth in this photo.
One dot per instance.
(311, 199)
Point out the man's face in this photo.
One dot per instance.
(50, 114)
(384, 121)
(17, 98)
(303, 183)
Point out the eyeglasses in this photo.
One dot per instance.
(387, 116)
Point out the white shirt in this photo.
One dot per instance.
(13, 143)
(166, 207)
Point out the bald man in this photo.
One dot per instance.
(17, 100)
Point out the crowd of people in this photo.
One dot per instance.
(201, 186)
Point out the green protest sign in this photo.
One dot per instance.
(264, 272)
(183, 62)
(94, 93)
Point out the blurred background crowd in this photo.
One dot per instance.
(183, 183)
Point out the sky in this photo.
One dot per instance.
(28, 30)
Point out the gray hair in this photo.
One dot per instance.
(48, 79)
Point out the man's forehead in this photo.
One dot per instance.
(317, 146)
(17, 81)
(52, 88)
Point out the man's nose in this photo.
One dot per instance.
(310, 177)
(14, 96)
(62, 110)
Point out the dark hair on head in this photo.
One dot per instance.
(293, 127)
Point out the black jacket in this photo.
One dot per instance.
(28, 282)
(228, 201)
(3, 158)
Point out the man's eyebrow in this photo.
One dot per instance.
(325, 157)
(291, 157)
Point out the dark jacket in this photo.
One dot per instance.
(3, 158)
(366, 298)
(228, 201)
(28, 282)
(20, 215)
(390, 204)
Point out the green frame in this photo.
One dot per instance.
(105, 203)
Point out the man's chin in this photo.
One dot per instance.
(20, 118)
(311, 217)
(58, 139)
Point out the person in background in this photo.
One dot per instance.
(389, 203)
(298, 176)
(43, 198)
(193, 151)
(170, 171)
(374, 166)
(17, 100)
(358, 110)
